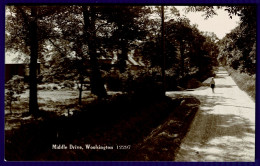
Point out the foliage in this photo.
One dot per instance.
(14, 88)
(88, 33)
(189, 52)
(26, 30)
(129, 23)
(68, 84)
(238, 48)
(138, 83)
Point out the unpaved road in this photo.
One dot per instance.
(224, 126)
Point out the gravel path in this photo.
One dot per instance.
(224, 127)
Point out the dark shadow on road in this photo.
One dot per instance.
(220, 131)
(222, 125)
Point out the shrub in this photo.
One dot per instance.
(40, 87)
(54, 87)
(114, 83)
(193, 83)
(68, 84)
(49, 87)
(14, 88)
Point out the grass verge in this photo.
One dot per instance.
(164, 141)
(244, 81)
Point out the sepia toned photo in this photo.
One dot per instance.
(120, 82)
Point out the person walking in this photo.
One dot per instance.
(212, 84)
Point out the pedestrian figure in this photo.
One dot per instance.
(212, 84)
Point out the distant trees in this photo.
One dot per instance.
(238, 48)
(197, 51)
(181, 32)
(188, 52)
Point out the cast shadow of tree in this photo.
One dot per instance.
(221, 126)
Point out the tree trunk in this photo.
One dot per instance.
(163, 53)
(182, 58)
(123, 57)
(96, 81)
(33, 100)
(80, 91)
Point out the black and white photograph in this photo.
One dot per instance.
(130, 82)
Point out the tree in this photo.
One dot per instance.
(238, 51)
(239, 46)
(181, 32)
(25, 32)
(27, 36)
(90, 31)
(128, 27)
(67, 48)
(152, 48)
(205, 52)
(76, 43)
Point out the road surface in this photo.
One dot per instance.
(224, 126)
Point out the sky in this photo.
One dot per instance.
(220, 24)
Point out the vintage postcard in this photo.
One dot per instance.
(130, 82)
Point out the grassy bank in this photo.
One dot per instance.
(164, 141)
(244, 81)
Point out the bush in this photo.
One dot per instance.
(171, 83)
(54, 87)
(114, 83)
(193, 83)
(41, 87)
(14, 88)
(68, 84)
(49, 87)
(147, 88)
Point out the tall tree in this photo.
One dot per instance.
(33, 37)
(181, 32)
(26, 19)
(25, 32)
(129, 26)
(67, 46)
(163, 48)
(90, 30)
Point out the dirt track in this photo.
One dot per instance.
(224, 127)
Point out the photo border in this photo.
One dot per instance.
(127, 163)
